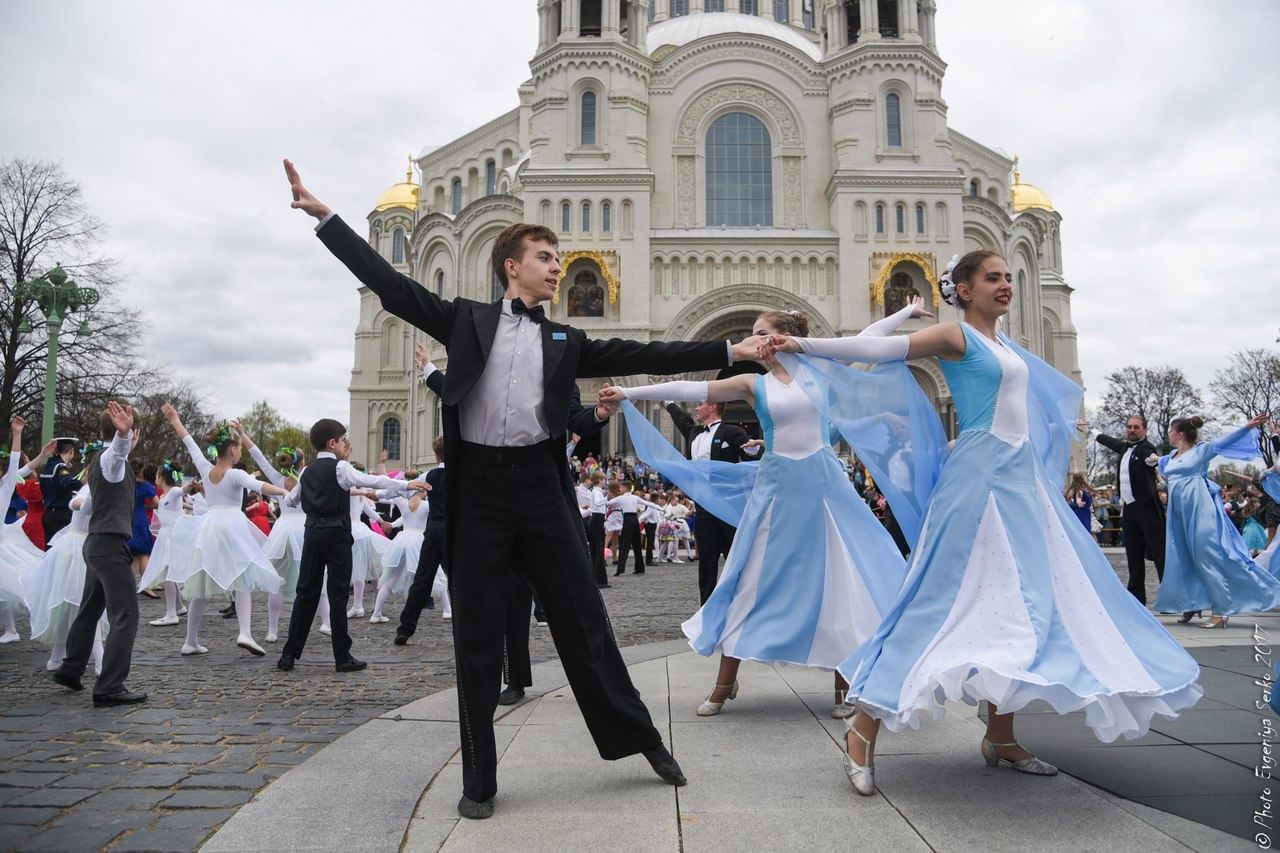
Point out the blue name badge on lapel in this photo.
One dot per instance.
(559, 336)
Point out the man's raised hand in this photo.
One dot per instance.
(302, 199)
(121, 417)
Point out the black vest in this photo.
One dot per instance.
(325, 502)
(112, 502)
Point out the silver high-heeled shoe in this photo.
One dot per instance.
(1031, 765)
(709, 708)
(863, 776)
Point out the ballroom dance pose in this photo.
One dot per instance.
(324, 491)
(505, 408)
(1007, 598)
(1142, 516)
(811, 570)
(1207, 565)
(109, 584)
(227, 555)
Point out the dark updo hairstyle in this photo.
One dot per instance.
(964, 271)
(324, 431)
(219, 440)
(1190, 427)
(148, 473)
(170, 473)
(793, 323)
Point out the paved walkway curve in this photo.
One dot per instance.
(766, 774)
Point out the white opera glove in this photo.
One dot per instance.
(863, 348)
(683, 391)
(888, 325)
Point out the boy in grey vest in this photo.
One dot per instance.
(109, 583)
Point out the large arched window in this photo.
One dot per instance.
(586, 297)
(457, 196)
(852, 20)
(391, 437)
(888, 14)
(590, 19)
(893, 120)
(397, 246)
(900, 218)
(974, 188)
(739, 171)
(920, 219)
(439, 281)
(588, 118)
(490, 178)
(899, 292)
(565, 212)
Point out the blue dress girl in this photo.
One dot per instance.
(1007, 597)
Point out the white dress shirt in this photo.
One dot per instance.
(1126, 488)
(701, 447)
(505, 408)
(599, 503)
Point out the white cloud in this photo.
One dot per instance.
(1152, 126)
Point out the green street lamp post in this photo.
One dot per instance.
(57, 297)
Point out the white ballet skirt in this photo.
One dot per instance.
(613, 522)
(55, 584)
(367, 547)
(227, 553)
(400, 562)
(284, 547)
(175, 537)
(17, 553)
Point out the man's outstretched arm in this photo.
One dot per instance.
(400, 294)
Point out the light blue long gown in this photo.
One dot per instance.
(1207, 564)
(811, 570)
(1007, 597)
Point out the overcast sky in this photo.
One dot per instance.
(1153, 126)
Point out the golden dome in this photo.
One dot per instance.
(404, 194)
(1027, 196)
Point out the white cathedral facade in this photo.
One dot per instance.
(703, 160)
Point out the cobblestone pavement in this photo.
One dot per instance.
(215, 729)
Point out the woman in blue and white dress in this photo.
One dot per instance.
(55, 586)
(1007, 598)
(811, 571)
(1207, 564)
(227, 556)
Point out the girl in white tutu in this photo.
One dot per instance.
(227, 555)
(55, 586)
(173, 529)
(367, 548)
(17, 554)
(400, 561)
(284, 543)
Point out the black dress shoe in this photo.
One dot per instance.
(350, 665)
(123, 697)
(400, 639)
(604, 585)
(68, 681)
(616, 574)
(472, 810)
(431, 604)
(229, 612)
(511, 695)
(285, 664)
(664, 764)
(1188, 616)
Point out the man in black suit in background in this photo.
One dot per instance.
(708, 437)
(511, 505)
(1142, 514)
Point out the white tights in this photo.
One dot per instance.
(172, 600)
(244, 616)
(59, 651)
(275, 601)
(384, 592)
(357, 596)
(6, 618)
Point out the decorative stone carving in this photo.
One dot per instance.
(694, 317)
(739, 93)
(686, 187)
(793, 210)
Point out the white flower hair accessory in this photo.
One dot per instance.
(794, 313)
(945, 284)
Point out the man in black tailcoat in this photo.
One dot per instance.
(1142, 514)
(510, 500)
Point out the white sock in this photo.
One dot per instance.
(244, 611)
(170, 600)
(274, 602)
(59, 651)
(357, 595)
(381, 599)
(96, 653)
(444, 600)
(195, 610)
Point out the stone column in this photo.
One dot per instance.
(870, 21)
(662, 11)
(569, 18)
(910, 11)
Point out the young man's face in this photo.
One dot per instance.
(536, 274)
(341, 447)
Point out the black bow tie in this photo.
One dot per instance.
(536, 314)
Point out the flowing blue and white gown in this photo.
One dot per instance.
(811, 570)
(1007, 598)
(1206, 563)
